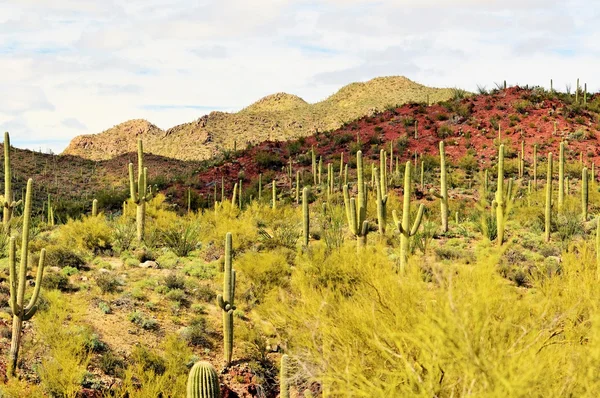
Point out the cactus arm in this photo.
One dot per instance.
(234, 196)
(132, 190)
(353, 217)
(362, 196)
(417, 222)
(7, 180)
(31, 307)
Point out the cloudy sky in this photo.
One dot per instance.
(70, 67)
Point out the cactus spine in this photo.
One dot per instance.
(203, 381)
(548, 211)
(20, 312)
(305, 216)
(584, 194)
(95, 207)
(139, 195)
(9, 203)
(503, 200)
(561, 177)
(226, 303)
(404, 227)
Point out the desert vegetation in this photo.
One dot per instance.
(363, 262)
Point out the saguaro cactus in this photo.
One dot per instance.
(584, 194)
(404, 227)
(140, 194)
(20, 312)
(95, 207)
(382, 198)
(305, 216)
(356, 210)
(274, 204)
(9, 204)
(314, 165)
(203, 381)
(561, 177)
(226, 303)
(50, 212)
(234, 195)
(548, 210)
(504, 200)
(443, 195)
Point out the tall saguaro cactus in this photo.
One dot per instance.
(356, 210)
(305, 217)
(203, 381)
(20, 312)
(561, 176)
(140, 194)
(382, 198)
(548, 209)
(404, 227)
(95, 207)
(9, 203)
(443, 195)
(225, 301)
(504, 200)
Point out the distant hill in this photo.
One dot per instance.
(277, 117)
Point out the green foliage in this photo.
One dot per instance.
(107, 282)
(143, 321)
(261, 273)
(182, 237)
(89, 235)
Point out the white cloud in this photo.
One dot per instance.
(80, 66)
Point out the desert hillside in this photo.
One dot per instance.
(277, 117)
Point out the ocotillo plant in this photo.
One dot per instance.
(226, 303)
(297, 186)
(548, 210)
(203, 381)
(20, 312)
(356, 210)
(284, 373)
(584, 194)
(535, 166)
(240, 194)
(382, 198)
(561, 176)
(140, 194)
(598, 248)
(305, 217)
(404, 227)
(503, 199)
(95, 208)
(443, 195)
(9, 203)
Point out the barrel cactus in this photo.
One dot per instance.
(203, 381)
